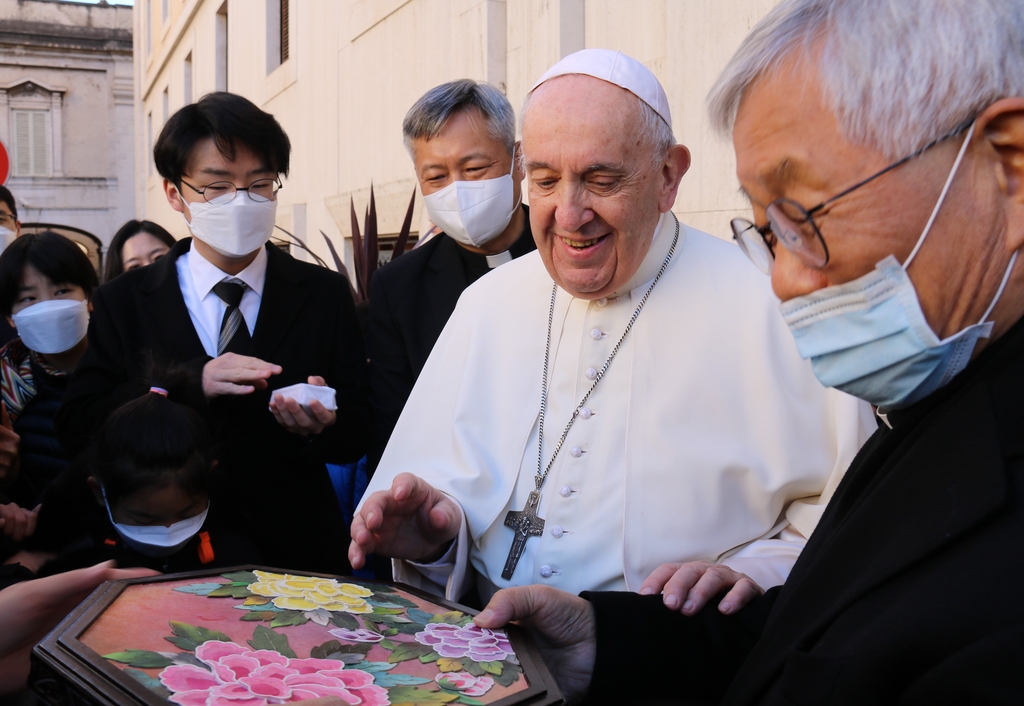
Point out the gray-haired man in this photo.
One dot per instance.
(881, 143)
(462, 139)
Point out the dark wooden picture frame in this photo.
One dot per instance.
(65, 672)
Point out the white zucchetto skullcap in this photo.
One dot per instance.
(614, 67)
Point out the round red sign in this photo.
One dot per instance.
(5, 163)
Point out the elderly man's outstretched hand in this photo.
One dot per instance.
(563, 624)
(688, 587)
(411, 520)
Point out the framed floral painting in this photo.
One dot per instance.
(260, 637)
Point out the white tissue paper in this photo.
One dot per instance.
(304, 393)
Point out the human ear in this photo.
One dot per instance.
(1002, 125)
(174, 197)
(676, 164)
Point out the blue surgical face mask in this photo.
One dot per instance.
(157, 540)
(869, 337)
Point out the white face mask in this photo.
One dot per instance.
(474, 212)
(53, 326)
(7, 237)
(157, 540)
(235, 228)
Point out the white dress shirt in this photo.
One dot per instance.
(197, 277)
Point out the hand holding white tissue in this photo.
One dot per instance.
(305, 408)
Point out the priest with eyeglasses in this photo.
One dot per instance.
(622, 410)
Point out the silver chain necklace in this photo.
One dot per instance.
(526, 522)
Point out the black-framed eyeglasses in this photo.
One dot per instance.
(7, 219)
(222, 192)
(793, 225)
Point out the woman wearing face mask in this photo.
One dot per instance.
(141, 495)
(136, 244)
(46, 282)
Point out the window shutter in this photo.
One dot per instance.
(31, 142)
(22, 142)
(40, 144)
(284, 30)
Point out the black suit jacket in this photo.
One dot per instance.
(908, 592)
(274, 482)
(411, 300)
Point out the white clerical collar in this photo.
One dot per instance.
(494, 261)
(205, 275)
(655, 257)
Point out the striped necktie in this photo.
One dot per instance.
(234, 334)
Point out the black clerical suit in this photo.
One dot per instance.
(274, 482)
(909, 591)
(411, 300)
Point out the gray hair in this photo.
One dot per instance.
(427, 117)
(651, 128)
(897, 74)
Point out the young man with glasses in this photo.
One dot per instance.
(248, 320)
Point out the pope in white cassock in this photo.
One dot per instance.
(623, 398)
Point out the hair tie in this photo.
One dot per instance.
(158, 391)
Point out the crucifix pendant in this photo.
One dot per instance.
(526, 524)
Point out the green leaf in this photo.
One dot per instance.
(263, 638)
(419, 616)
(463, 699)
(333, 647)
(344, 620)
(509, 675)
(260, 616)
(474, 668)
(245, 577)
(452, 617)
(371, 626)
(408, 650)
(144, 659)
(491, 667)
(390, 618)
(387, 610)
(229, 590)
(432, 657)
(411, 696)
(151, 683)
(199, 589)
(388, 644)
(376, 588)
(197, 634)
(288, 617)
(390, 632)
(408, 628)
(182, 642)
(393, 600)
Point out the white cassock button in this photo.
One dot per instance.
(596, 334)
(545, 571)
(557, 531)
(585, 413)
(602, 302)
(565, 491)
(575, 452)
(591, 373)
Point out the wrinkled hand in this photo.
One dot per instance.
(292, 417)
(563, 624)
(411, 520)
(233, 374)
(10, 442)
(693, 584)
(30, 609)
(16, 522)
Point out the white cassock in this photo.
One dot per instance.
(708, 438)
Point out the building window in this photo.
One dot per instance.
(221, 34)
(31, 142)
(277, 33)
(166, 105)
(284, 30)
(187, 79)
(149, 142)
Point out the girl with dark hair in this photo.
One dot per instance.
(136, 244)
(46, 282)
(141, 494)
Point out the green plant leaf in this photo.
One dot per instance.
(230, 590)
(491, 667)
(199, 589)
(263, 638)
(411, 696)
(387, 610)
(333, 647)
(408, 628)
(245, 577)
(419, 616)
(182, 642)
(463, 699)
(197, 634)
(377, 588)
(391, 618)
(144, 659)
(474, 668)
(393, 600)
(408, 650)
(288, 617)
(452, 617)
(388, 644)
(344, 620)
(260, 616)
(432, 657)
(509, 675)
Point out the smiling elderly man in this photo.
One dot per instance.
(582, 431)
(881, 143)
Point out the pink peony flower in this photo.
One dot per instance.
(243, 677)
(358, 635)
(476, 643)
(464, 683)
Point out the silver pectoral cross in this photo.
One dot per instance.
(526, 524)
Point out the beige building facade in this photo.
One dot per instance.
(67, 111)
(340, 74)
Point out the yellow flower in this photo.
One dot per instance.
(310, 593)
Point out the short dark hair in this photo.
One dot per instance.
(56, 257)
(8, 198)
(114, 263)
(428, 115)
(231, 121)
(154, 441)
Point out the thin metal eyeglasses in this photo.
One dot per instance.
(7, 218)
(221, 192)
(793, 225)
